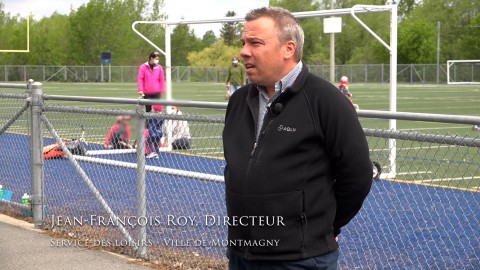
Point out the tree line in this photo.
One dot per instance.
(78, 38)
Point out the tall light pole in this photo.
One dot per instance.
(332, 51)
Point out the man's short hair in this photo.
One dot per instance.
(288, 27)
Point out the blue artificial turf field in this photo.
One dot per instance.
(401, 226)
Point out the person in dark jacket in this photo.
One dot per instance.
(296, 155)
(155, 133)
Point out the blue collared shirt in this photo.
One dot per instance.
(264, 101)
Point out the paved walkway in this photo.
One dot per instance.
(23, 247)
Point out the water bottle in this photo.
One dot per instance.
(1, 191)
(25, 199)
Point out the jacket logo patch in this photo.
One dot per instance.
(286, 129)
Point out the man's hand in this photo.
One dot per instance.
(141, 93)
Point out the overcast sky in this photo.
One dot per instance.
(175, 9)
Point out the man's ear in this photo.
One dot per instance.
(290, 48)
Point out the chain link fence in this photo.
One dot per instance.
(15, 171)
(364, 73)
(151, 184)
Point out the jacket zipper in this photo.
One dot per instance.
(248, 171)
(261, 134)
(304, 220)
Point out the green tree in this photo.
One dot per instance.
(459, 26)
(50, 42)
(315, 46)
(405, 7)
(217, 55)
(416, 42)
(184, 41)
(230, 32)
(208, 39)
(106, 25)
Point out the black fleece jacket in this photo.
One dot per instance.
(310, 166)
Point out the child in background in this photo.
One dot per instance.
(119, 135)
(343, 87)
(154, 129)
(181, 137)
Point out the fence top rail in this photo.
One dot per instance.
(428, 117)
(423, 137)
(140, 101)
(441, 118)
(116, 112)
(14, 85)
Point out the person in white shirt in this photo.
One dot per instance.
(181, 138)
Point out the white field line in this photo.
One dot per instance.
(209, 153)
(412, 148)
(206, 148)
(448, 179)
(207, 137)
(176, 172)
(412, 173)
(439, 128)
(110, 152)
(219, 94)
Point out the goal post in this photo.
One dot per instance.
(463, 71)
(357, 9)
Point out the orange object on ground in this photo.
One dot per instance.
(52, 151)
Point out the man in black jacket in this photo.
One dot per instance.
(295, 151)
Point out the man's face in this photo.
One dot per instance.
(262, 52)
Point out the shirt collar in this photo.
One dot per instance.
(286, 81)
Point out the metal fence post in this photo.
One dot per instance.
(36, 90)
(178, 74)
(141, 185)
(382, 71)
(366, 73)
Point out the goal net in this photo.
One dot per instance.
(463, 71)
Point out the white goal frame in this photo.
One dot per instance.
(452, 62)
(357, 9)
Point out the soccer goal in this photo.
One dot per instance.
(463, 72)
(391, 46)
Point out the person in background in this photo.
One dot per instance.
(119, 135)
(151, 80)
(236, 77)
(155, 133)
(343, 87)
(181, 138)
